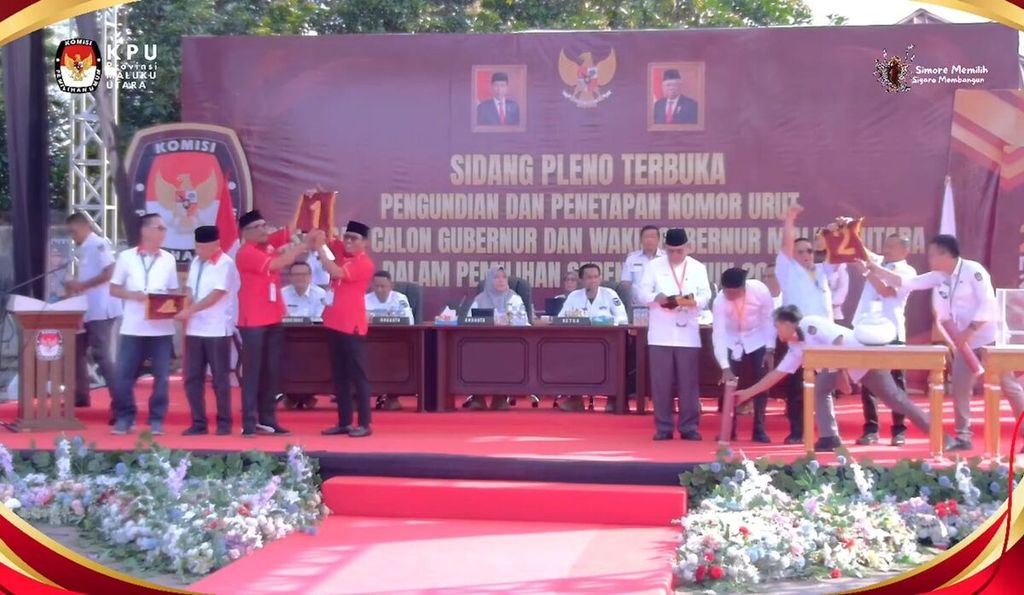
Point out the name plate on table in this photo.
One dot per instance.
(296, 320)
(571, 321)
(477, 321)
(164, 306)
(389, 320)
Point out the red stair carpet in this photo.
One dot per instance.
(439, 537)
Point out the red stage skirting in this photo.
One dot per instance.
(543, 433)
(393, 549)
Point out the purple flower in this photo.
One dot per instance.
(120, 469)
(715, 467)
(944, 482)
(926, 467)
(995, 486)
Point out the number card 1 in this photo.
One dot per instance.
(844, 244)
(315, 211)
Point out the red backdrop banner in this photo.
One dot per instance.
(406, 130)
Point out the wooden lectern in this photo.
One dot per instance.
(46, 383)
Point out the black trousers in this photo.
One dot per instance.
(348, 367)
(215, 352)
(899, 421)
(262, 352)
(795, 402)
(749, 371)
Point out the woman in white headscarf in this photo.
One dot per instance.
(502, 299)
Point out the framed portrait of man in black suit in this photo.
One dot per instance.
(498, 98)
(675, 96)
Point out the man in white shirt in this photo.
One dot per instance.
(140, 272)
(892, 304)
(383, 300)
(302, 298)
(962, 293)
(594, 301)
(805, 285)
(676, 288)
(798, 331)
(320, 276)
(772, 283)
(95, 266)
(744, 338)
(837, 275)
(633, 269)
(208, 330)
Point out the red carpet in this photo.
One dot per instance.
(541, 433)
(395, 551)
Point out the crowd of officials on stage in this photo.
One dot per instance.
(799, 303)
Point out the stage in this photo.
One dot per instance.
(527, 444)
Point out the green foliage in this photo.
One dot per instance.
(902, 481)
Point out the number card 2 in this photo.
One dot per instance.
(845, 244)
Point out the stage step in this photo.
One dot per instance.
(648, 506)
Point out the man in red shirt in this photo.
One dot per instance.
(346, 324)
(260, 310)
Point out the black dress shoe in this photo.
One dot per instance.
(195, 431)
(794, 439)
(280, 430)
(691, 435)
(761, 437)
(360, 432)
(337, 431)
(898, 439)
(248, 433)
(868, 438)
(827, 444)
(223, 431)
(663, 435)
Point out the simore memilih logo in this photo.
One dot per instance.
(78, 66)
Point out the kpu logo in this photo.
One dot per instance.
(78, 66)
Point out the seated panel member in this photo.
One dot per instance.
(385, 301)
(594, 301)
(302, 298)
(744, 338)
(799, 331)
(499, 296)
(570, 283)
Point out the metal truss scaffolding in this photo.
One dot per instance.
(90, 179)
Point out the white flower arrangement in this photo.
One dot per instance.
(154, 509)
(746, 530)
